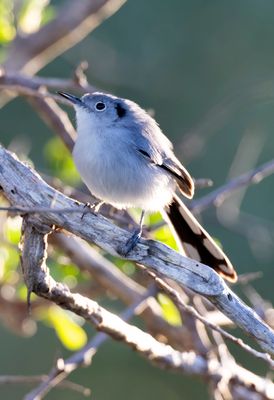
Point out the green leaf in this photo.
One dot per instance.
(7, 28)
(71, 334)
(169, 310)
(154, 218)
(13, 229)
(165, 235)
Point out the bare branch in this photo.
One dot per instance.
(191, 310)
(39, 280)
(25, 379)
(23, 187)
(73, 22)
(20, 82)
(122, 286)
(56, 118)
(43, 102)
(217, 196)
(84, 357)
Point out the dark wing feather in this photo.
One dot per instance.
(179, 173)
(183, 179)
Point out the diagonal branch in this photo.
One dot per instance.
(23, 187)
(38, 280)
(218, 196)
(83, 357)
(27, 379)
(74, 21)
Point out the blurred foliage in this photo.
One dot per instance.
(60, 161)
(33, 14)
(27, 16)
(164, 234)
(22, 17)
(66, 325)
(9, 255)
(7, 28)
(169, 310)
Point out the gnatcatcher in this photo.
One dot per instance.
(125, 160)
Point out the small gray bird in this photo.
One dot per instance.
(125, 160)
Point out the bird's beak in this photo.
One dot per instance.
(73, 99)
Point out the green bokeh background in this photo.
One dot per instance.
(206, 68)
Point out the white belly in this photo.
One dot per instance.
(122, 178)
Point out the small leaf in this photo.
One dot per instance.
(169, 310)
(68, 331)
(165, 235)
(154, 218)
(13, 229)
(7, 29)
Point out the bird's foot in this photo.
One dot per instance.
(131, 243)
(94, 208)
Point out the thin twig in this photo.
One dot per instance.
(217, 196)
(84, 357)
(191, 310)
(23, 82)
(25, 379)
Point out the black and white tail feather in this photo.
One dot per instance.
(195, 241)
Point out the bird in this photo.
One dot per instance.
(126, 161)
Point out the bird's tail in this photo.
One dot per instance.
(195, 241)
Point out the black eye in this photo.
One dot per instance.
(100, 106)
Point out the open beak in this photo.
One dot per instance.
(73, 99)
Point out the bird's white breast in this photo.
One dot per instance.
(115, 172)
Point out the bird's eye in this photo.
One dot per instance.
(100, 106)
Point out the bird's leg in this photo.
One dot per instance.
(95, 207)
(133, 240)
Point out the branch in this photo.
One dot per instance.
(83, 357)
(38, 280)
(44, 102)
(20, 82)
(122, 286)
(74, 21)
(191, 310)
(24, 188)
(25, 379)
(218, 196)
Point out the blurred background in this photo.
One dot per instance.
(206, 70)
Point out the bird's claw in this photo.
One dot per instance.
(131, 243)
(94, 208)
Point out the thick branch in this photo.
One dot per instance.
(23, 187)
(40, 282)
(122, 286)
(38, 279)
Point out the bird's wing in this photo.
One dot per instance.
(156, 147)
(175, 168)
